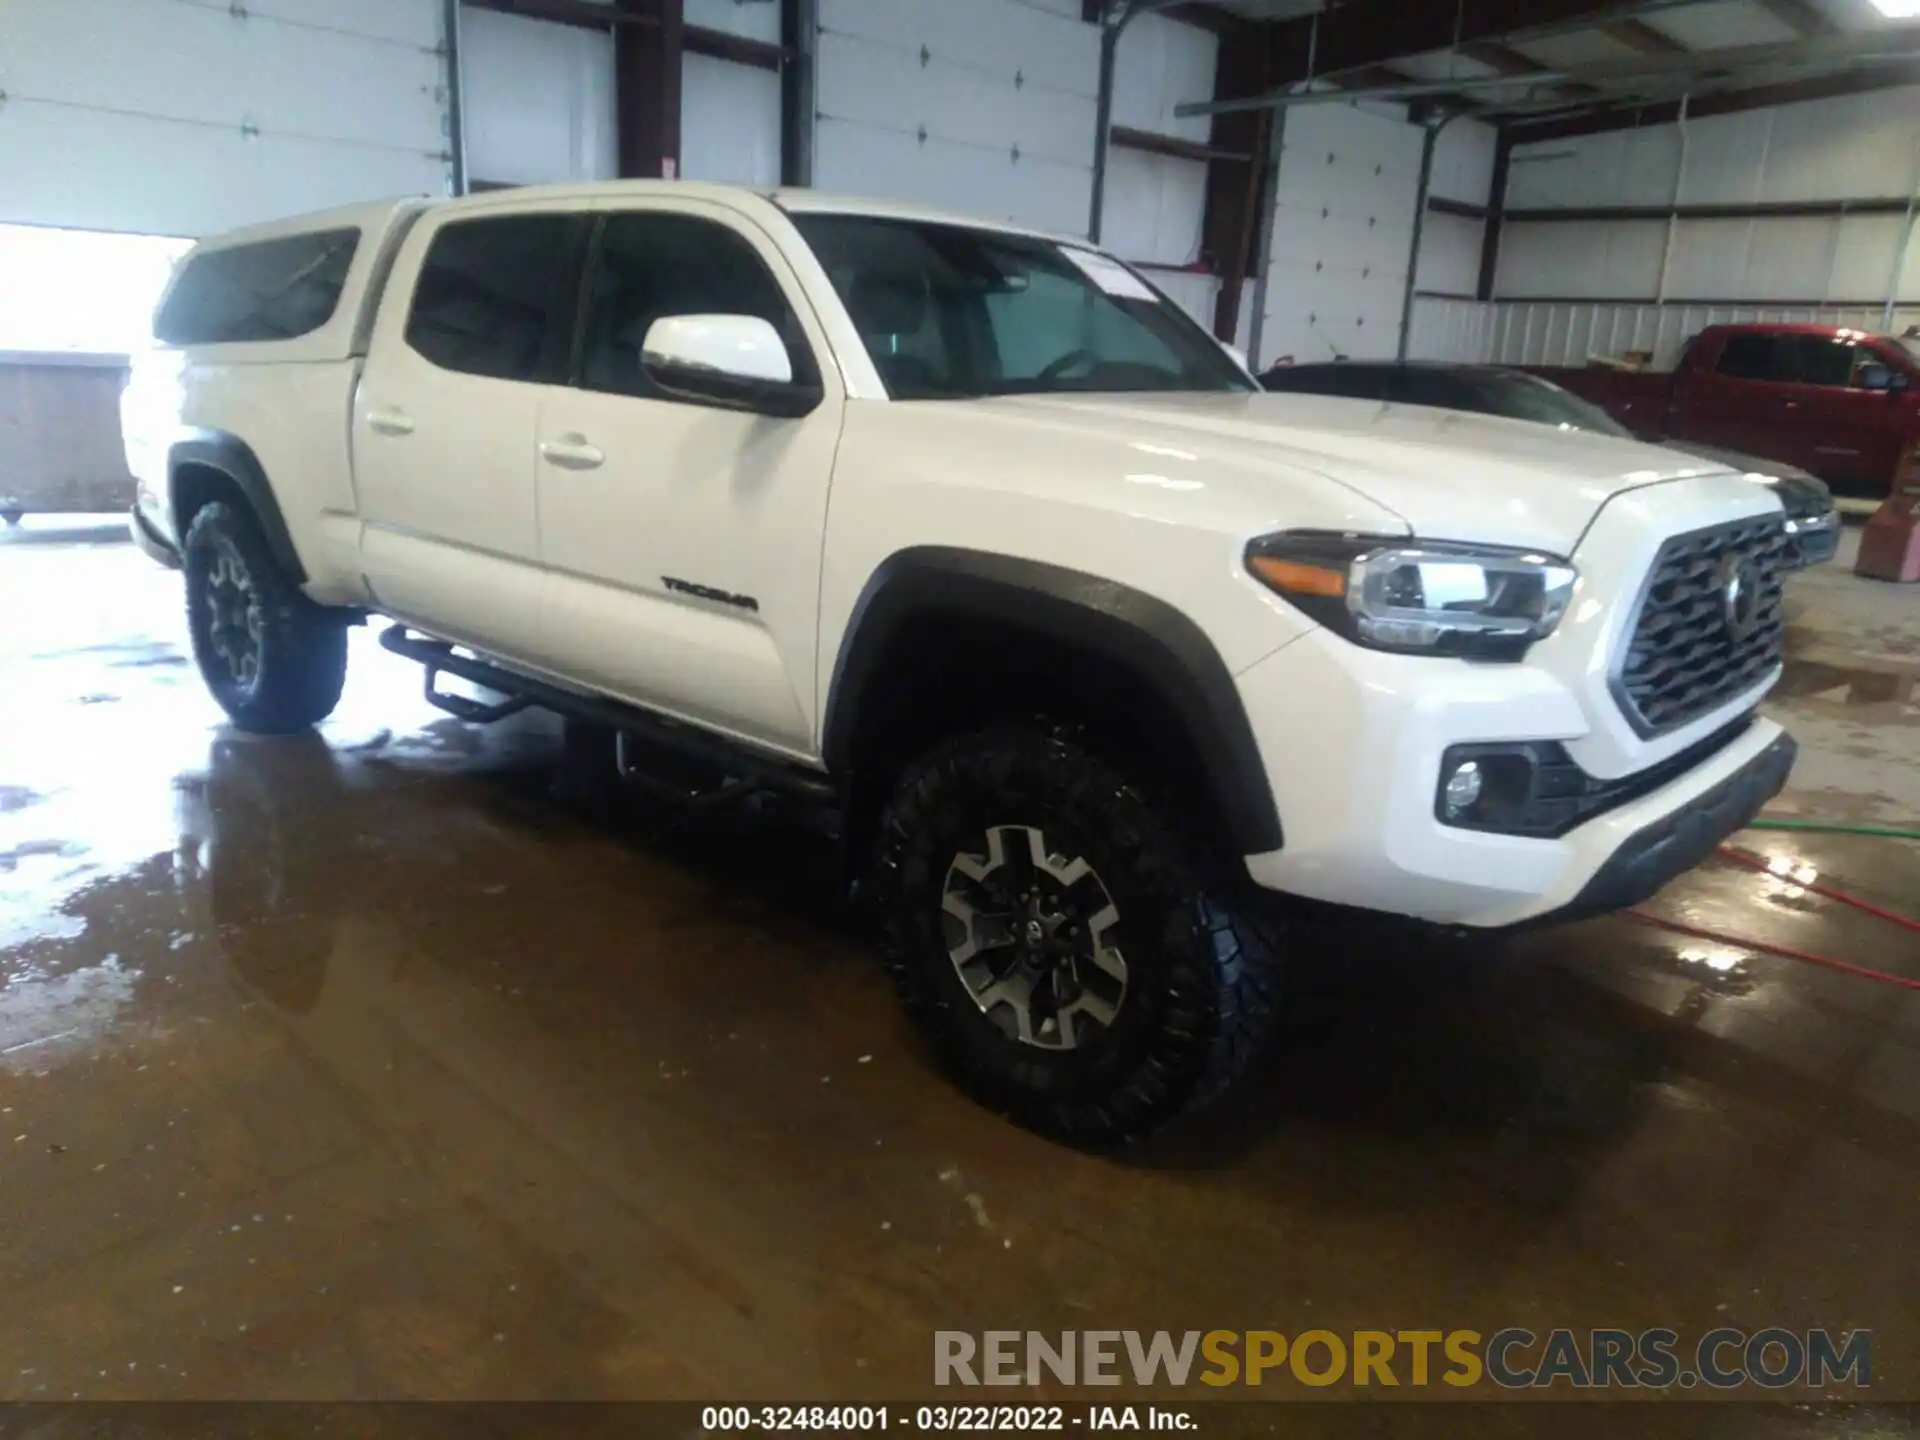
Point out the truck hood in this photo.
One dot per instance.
(1449, 475)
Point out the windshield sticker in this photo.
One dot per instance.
(1110, 275)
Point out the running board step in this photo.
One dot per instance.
(746, 772)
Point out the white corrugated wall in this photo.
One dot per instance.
(1570, 289)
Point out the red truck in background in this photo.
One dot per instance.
(1841, 404)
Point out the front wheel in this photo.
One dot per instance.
(1071, 959)
(274, 660)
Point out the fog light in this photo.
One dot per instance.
(1463, 789)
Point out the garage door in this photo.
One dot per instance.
(183, 117)
(986, 107)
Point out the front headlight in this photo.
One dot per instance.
(1418, 597)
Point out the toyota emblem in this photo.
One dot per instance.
(1739, 588)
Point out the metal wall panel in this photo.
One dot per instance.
(1160, 63)
(1463, 162)
(539, 100)
(1192, 292)
(1342, 233)
(1853, 146)
(1546, 333)
(1154, 205)
(1602, 259)
(1450, 254)
(1455, 330)
(729, 122)
(179, 117)
(1849, 148)
(985, 108)
(755, 19)
(1621, 167)
(1846, 148)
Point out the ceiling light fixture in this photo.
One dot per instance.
(1898, 9)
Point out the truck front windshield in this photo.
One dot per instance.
(1911, 344)
(947, 312)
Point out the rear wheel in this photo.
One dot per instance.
(1073, 961)
(274, 660)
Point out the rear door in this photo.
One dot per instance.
(683, 540)
(444, 422)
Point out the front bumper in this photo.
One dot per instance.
(1818, 537)
(1679, 841)
(1355, 792)
(150, 542)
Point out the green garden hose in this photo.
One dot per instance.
(1832, 827)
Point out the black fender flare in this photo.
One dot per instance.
(234, 458)
(1137, 632)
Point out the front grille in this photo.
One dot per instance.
(1685, 659)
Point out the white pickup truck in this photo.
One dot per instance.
(970, 536)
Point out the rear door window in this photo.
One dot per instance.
(270, 290)
(1756, 357)
(496, 296)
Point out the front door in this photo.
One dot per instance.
(683, 540)
(1837, 428)
(445, 421)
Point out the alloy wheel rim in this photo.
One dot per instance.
(235, 619)
(1033, 936)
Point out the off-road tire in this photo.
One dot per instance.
(299, 648)
(1202, 965)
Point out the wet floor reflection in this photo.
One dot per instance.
(369, 1064)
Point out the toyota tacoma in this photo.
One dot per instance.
(968, 536)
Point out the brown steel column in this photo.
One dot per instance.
(1496, 211)
(1235, 187)
(646, 87)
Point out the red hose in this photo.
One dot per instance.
(1785, 952)
(1754, 862)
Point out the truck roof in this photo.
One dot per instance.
(1762, 327)
(374, 217)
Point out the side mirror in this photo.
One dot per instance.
(736, 361)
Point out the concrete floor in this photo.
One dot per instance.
(358, 1067)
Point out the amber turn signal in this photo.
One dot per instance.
(1295, 577)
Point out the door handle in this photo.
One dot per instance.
(390, 422)
(572, 452)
